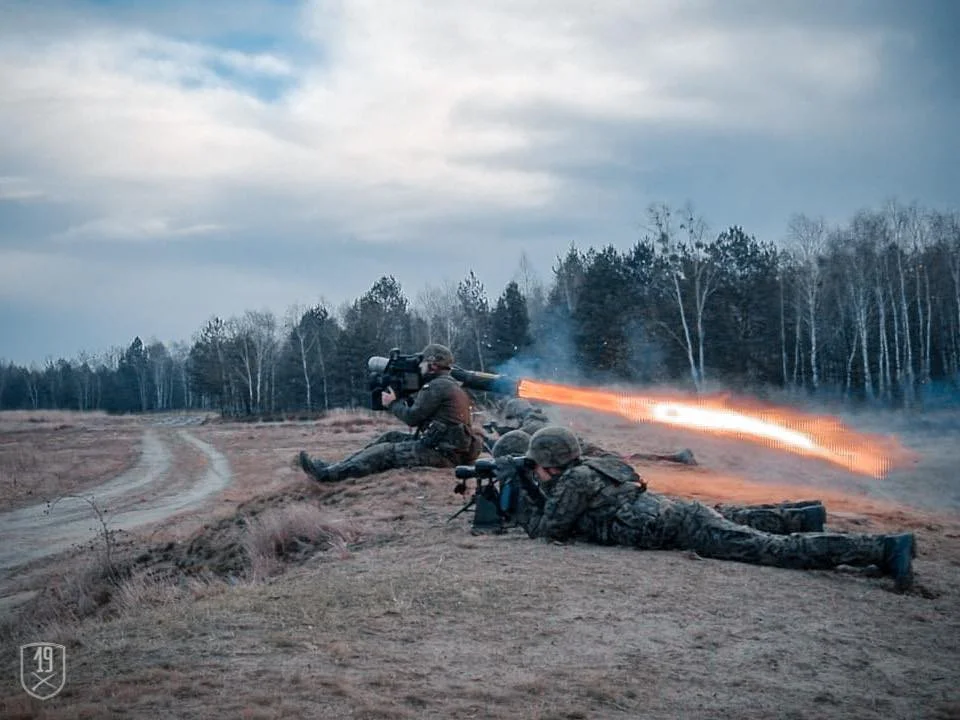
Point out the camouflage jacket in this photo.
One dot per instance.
(441, 413)
(601, 500)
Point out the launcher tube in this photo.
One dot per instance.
(485, 382)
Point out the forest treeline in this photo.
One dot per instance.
(868, 311)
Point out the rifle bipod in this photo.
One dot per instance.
(485, 500)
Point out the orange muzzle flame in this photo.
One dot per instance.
(813, 436)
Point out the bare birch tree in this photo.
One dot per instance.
(531, 287)
(898, 224)
(437, 306)
(946, 228)
(692, 274)
(809, 239)
(257, 343)
(919, 233)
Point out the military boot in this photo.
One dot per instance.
(800, 503)
(898, 554)
(805, 519)
(684, 456)
(317, 469)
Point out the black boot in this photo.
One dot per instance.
(898, 554)
(684, 456)
(800, 503)
(809, 518)
(317, 469)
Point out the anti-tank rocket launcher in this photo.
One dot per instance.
(401, 373)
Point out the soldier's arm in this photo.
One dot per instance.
(564, 505)
(425, 405)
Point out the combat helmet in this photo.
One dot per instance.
(515, 410)
(438, 355)
(554, 446)
(515, 442)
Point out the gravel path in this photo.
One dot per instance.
(132, 499)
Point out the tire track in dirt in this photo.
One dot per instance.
(31, 533)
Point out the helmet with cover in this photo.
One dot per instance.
(554, 446)
(437, 354)
(515, 442)
(514, 411)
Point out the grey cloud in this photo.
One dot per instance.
(275, 234)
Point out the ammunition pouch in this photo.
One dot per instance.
(454, 440)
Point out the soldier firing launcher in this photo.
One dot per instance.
(401, 373)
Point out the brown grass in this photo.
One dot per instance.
(422, 620)
(45, 454)
(287, 532)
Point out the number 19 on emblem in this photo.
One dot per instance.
(43, 669)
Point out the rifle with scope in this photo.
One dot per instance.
(401, 373)
(496, 496)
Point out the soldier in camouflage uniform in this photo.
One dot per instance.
(780, 518)
(520, 414)
(603, 500)
(440, 413)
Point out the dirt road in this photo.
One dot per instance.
(147, 493)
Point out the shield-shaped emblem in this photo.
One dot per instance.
(43, 669)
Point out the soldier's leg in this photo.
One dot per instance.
(779, 519)
(372, 459)
(314, 466)
(391, 436)
(381, 457)
(413, 453)
(705, 531)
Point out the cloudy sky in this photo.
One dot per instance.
(164, 161)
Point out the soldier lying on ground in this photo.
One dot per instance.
(602, 500)
(777, 518)
(520, 414)
(444, 435)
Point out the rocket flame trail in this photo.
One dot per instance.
(783, 428)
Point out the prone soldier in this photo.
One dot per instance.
(603, 500)
(777, 518)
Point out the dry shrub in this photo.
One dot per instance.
(77, 594)
(291, 531)
(146, 589)
(58, 609)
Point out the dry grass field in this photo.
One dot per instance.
(273, 597)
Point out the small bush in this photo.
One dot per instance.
(291, 532)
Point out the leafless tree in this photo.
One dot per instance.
(898, 220)
(531, 287)
(437, 306)
(946, 229)
(808, 237)
(32, 378)
(692, 275)
(179, 355)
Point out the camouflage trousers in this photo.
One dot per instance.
(779, 518)
(393, 449)
(656, 522)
